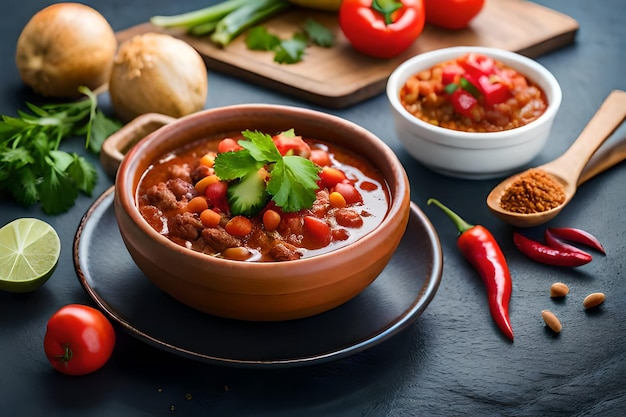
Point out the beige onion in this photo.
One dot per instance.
(65, 46)
(157, 73)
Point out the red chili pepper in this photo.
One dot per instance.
(577, 236)
(558, 244)
(382, 28)
(481, 249)
(547, 255)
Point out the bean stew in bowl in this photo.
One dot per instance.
(184, 197)
(261, 212)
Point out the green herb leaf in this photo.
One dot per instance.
(451, 88)
(233, 165)
(469, 87)
(83, 174)
(33, 168)
(261, 146)
(57, 191)
(293, 183)
(259, 39)
(318, 33)
(291, 50)
(292, 179)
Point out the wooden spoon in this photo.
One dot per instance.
(566, 169)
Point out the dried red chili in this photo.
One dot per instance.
(539, 252)
(481, 249)
(577, 236)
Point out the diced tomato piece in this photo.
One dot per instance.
(317, 231)
(292, 145)
(493, 92)
(320, 157)
(349, 192)
(451, 74)
(477, 65)
(463, 102)
(331, 176)
(228, 145)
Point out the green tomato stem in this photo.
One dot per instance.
(386, 8)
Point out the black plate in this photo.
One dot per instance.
(393, 301)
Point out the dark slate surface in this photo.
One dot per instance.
(452, 361)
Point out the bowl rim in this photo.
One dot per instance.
(456, 138)
(124, 184)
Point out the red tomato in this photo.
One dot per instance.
(317, 231)
(292, 145)
(452, 14)
(79, 340)
(330, 176)
(320, 157)
(349, 192)
(381, 34)
(228, 145)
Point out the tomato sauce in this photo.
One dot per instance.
(473, 93)
(171, 183)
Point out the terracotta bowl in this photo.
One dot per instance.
(259, 291)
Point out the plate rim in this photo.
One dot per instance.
(423, 299)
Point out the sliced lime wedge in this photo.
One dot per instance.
(29, 253)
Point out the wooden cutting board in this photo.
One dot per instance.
(338, 77)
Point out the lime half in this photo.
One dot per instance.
(29, 253)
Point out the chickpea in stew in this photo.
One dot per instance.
(222, 198)
(473, 93)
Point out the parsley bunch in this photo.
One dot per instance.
(34, 170)
(292, 179)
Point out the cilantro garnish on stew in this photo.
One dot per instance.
(292, 179)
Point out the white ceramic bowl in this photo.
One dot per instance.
(472, 155)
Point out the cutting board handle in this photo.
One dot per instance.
(115, 146)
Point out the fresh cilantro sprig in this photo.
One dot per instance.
(292, 179)
(289, 51)
(32, 167)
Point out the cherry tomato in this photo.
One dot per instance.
(381, 28)
(228, 145)
(330, 176)
(79, 340)
(452, 14)
(349, 192)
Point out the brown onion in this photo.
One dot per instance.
(157, 73)
(65, 46)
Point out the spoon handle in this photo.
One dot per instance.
(608, 117)
(604, 159)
